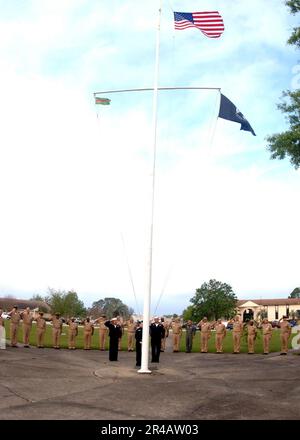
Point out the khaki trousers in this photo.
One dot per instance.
(72, 336)
(102, 338)
(14, 333)
(56, 336)
(130, 340)
(219, 342)
(251, 339)
(284, 339)
(176, 340)
(87, 340)
(236, 341)
(266, 341)
(40, 332)
(204, 342)
(26, 333)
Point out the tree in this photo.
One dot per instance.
(66, 303)
(295, 293)
(288, 143)
(110, 307)
(214, 300)
(188, 313)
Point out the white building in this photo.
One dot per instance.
(274, 309)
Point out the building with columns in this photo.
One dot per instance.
(273, 309)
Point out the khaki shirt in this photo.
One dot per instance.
(251, 330)
(73, 327)
(267, 329)
(166, 327)
(285, 328)
(15, 317)
(176, 328)
(88, 327)
(237, 327)
(41, 323)
(220, 329)
(205, 327)
(102, 326)
(131, 327)
(27, 318)
(57, 323)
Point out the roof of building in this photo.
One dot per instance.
(8, 303)
(271, 302)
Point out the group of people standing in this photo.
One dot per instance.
(239, 329)
(159, 331)
(26, 318)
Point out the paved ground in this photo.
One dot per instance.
(63, 384)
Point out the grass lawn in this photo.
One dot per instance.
(227, 343)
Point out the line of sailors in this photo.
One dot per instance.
(57, 325)
(134, 332)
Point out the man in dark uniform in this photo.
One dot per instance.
(189, 336)
(157, 332)
(138, 342)
(115, 333)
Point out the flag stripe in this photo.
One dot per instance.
(210, 23)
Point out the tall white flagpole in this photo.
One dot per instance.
(147, 297)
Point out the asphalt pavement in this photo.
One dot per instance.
(39, 384)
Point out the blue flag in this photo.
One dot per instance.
(229, 111)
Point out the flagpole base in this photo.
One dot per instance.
(144, 371)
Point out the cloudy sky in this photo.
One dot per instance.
(75, 180)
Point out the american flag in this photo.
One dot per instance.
(210, 23)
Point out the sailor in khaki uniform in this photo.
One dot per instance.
(27, 324)
(131, 327)
(237, 332)
(267, 334)
(40, 330)
(103, 332)
(163, 340)
(205, 328)
(285, 331)
(220, 335)
(251, 336)
(88, 331)
(56, 330)
(14, 325)
(176, 331)
(73, 332)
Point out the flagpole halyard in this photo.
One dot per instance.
(149, 89)
(147, 297)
